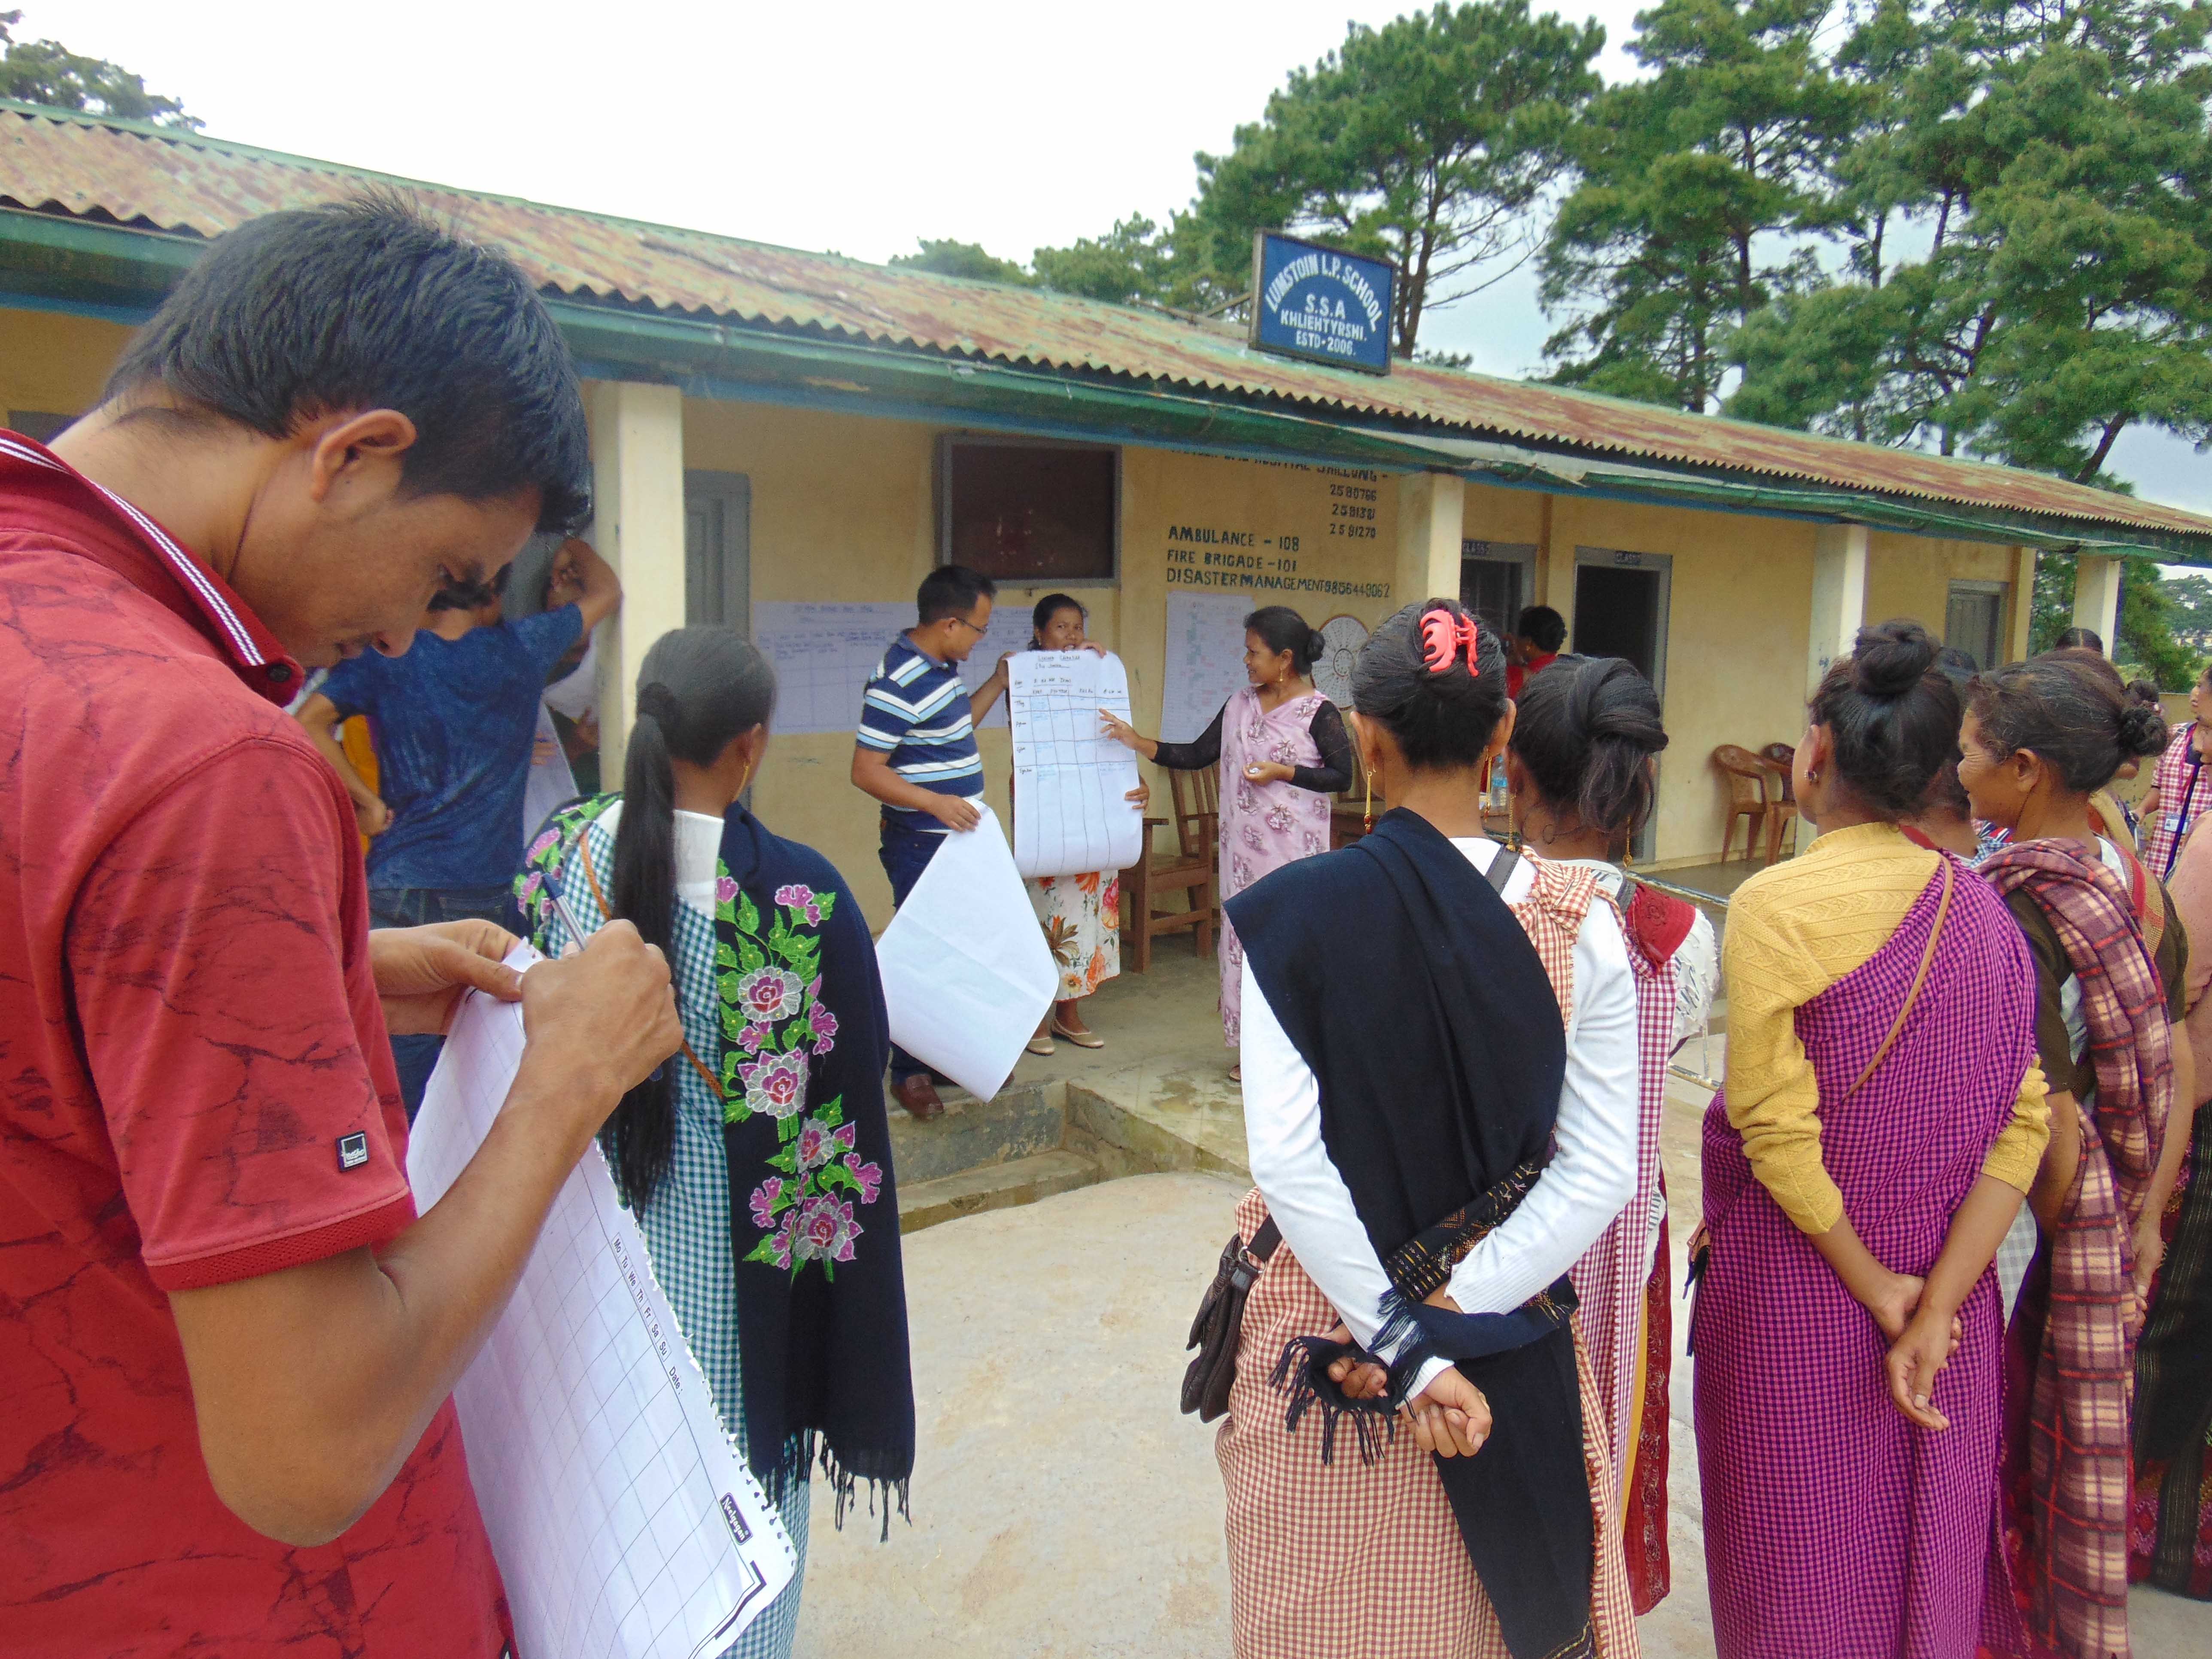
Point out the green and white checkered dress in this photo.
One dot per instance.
(687, 1223)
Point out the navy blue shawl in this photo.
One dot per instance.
(1409, 986)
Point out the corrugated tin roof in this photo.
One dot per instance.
(50, 161)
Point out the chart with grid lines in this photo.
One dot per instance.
(1071, 811)
(625, 1524)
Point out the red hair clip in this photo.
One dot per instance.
(1443, 635)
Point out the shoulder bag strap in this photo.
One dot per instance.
(1264, 1242)
(1911, 996)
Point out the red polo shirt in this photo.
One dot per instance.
(198, 1090)
(1518, 674)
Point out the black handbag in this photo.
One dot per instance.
(1213, 1333)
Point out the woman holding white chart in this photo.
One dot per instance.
(757, 1161)
(1283, 752)
(1081, 914)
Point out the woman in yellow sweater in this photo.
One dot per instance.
(1882, 1118)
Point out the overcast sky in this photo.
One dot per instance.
(856, 127)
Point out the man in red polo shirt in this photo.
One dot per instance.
(226, 1341)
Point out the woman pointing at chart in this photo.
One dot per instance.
(1283, 752)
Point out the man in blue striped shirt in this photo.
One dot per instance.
(916, 752)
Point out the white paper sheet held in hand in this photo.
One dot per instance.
(966, 972)
(1071, 811)
(624, 1521)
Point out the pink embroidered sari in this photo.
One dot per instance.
(1264, 826)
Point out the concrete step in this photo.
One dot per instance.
(1018, 1121)
(995, 1186)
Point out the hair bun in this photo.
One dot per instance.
(2142, 728)
(1889, 661)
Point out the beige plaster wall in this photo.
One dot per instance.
(1740, 613)
(1912, 576)
(55, 364)
(843, 508)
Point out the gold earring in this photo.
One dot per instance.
(1368, 824)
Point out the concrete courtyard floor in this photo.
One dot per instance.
(1061, 1506)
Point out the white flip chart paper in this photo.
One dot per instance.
(966, 972)
(823, 655)
(1071, 780)
(624, 1521)
(1205, 659)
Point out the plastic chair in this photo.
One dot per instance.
(1780, 759)
(1747, 775)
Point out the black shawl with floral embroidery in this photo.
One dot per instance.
(822, 1333)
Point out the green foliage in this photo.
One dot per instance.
(2052, 612)
(2050, 168)
(1427, 143)
(2189, 599)
(1132, 263)
(2147, 643)
(2156, 619)
(951, 258)
(1978, 227)
(1699, 186)
(47, 72)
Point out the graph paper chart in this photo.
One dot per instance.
(824, 654)
(1205, 659)
(625, 1522)
(1071, 780)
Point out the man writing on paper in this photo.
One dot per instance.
(226, 1341)
(916, 752)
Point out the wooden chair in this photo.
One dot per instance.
(1780, 760)
(1746, 781)
(1189, 869)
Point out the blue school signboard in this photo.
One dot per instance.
(1313, 301)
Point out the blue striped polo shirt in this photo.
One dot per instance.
(915, 710)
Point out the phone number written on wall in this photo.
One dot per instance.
(1204, 555)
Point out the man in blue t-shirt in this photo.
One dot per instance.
(915, 752)
(453, 721)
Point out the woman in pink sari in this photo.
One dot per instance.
(1283, 752)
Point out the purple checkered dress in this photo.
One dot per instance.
(1834, 1528)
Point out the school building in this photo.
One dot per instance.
(771, 427)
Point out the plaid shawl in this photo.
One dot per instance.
(2073, 1556)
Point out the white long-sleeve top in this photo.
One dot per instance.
(1589, 1180)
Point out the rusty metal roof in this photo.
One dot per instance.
(54, 162)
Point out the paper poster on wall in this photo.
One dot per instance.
(966, 971)
(1205, 659)
(624, 1521)
(1072, 814)
(824, 654)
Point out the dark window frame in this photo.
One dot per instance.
(948, 443)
